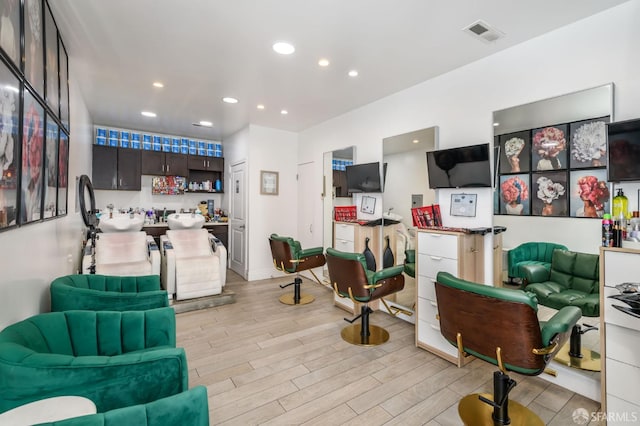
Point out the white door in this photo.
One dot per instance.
(306, 205)
(238, 220)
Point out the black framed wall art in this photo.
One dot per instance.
(10, 30)
(34, 45)
(9, 137)
(51, 168)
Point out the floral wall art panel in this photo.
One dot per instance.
(34, 45)
(10, 29)
(50, 168)
(549, 194)
(514, 195)
(9, 134)
(589, 143)
(63, 172)
(549, 148)
(32, 159)
(589, 196)
(515, 152)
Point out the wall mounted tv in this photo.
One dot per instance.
(464, 167)
(364, 178)
(623, 151)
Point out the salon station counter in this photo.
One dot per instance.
(219, 229)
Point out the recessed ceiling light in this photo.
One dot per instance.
(148, 114)
(353, 73)
(260, 106)
(415, 141)
(158, 84)
(496, 124)
(323, 62)
(284, 112)
(206, 123)
(284, 48)
(230, 100)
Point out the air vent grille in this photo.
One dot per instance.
(483, 31)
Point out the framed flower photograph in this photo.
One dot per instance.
(63, 173)
(549, 194)
(34, 45)
(268, 183)
(64, 85)
(589, 193)
(9, 139)
(588, 143)
(31, 187)
(10, 29)
(51, 44)
(514, 195)
(50, 168)
(549, 148)
(515, 152)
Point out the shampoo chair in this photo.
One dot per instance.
(290, 258)
(124, 254)
(351, 278)
(463, 309)
(194, 263)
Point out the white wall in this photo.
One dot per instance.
(272, 150)
(33, 255)
(589, 53)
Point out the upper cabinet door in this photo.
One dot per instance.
(105, 167)
(129, 172)
(152, 163)
(176, 165)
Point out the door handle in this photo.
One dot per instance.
(163, 168)
(311, 228)
(167, 168)
(241, 227)
(207, 163)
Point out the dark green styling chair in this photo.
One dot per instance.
(187, 408)
(290, 258)
(116, 359)
(410, 262)
(464, 308)
(351, 278)
(107, 293)
(532, 253)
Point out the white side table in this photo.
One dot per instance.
(48, 410)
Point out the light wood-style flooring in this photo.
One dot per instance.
(264, 362)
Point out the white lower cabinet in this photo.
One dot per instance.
(457, 253)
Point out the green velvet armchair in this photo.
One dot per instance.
(116, 359)
(289, 257)
(410, 262)
(187, 408)
(532, 253)
(107, 293)
(463, 310)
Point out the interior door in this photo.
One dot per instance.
(237, 220)
(306, 205)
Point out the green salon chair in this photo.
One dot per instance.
(290, 258)
(351, 278)
(532, 253)
(410, 262)
(107, 293)
(463, 309)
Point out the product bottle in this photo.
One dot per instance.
(620, 205)
(607, 231)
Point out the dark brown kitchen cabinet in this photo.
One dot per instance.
(207, 164)
(164, 164)
(116, 168)
(340, 183)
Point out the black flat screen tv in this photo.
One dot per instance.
(364, 178)
(464, 167)
(623, 151)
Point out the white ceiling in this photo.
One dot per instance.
(203, 50)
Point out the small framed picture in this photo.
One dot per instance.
(268, 183)
(34, 45)
(10, 29)
(549, 194)
(549, 148)
(589, 143)
(368, 205)
(589, 196)
(514, 195)
(515, 152)
(463, 205)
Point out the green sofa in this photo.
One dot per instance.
(187, 408)
(107, 293)
(573, 280)
(116, 359)
(531, 253)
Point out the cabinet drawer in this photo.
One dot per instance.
(344, 232)
(622, 381)
(620, 268)
(438, 244)
(427, 311)
(614, 316)
(429, 335)
(344, 245)
(623, 344)
(426, 288)
(429, 265)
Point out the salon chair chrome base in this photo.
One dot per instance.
(296, 298)
(353, 334)
(473, 411)
(572, 354)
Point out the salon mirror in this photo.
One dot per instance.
(573, 107)
(334, 190)
(405, 186)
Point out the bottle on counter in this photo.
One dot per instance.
(620, 205)
(607, 231)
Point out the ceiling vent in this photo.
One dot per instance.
(483, 31)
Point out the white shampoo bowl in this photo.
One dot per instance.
(185, 221)
(121, 223)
